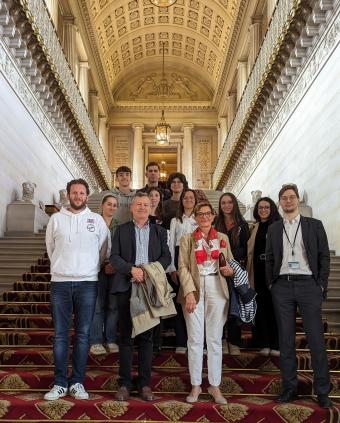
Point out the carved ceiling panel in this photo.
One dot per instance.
(130, 35)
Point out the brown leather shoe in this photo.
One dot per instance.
(122, 394)
(146, 394)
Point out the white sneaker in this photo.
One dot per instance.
(264, 351)
(112, 347)
(97, 349)
(275, 353)
(180, 350)
(55, 393)
(78, 392)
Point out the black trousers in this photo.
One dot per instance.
(145, 345)
(265, 333)
(307, 296)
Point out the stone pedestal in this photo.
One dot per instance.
(25, 218)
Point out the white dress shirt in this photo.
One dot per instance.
(293, 231)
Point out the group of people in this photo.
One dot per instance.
(98, 263)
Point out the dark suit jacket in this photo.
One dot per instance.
(316, 245)
(123, 252)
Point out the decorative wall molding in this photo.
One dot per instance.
(17, 81)
(294, 27)
(261, 143)
(31, 38)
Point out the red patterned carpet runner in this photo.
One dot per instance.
(250, 381)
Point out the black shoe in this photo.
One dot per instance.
(324, 401)
(287, 395)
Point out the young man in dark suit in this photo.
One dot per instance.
(297, 269)
(134, 243)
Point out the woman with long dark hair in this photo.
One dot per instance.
(183, 223)
(231, 222)
(265, 332)
(156, 198)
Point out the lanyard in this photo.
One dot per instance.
(291, 244)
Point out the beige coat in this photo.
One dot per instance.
(188, 270)
(250, 256)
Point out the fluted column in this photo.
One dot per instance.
(222, 132)
(187, 163)
(84, 81)
(231, 107)
(52, 6)
(138, 163)
(93, 106)
(255, 40)
(69, 41)
(241, 78)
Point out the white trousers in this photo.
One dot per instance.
(208, 318)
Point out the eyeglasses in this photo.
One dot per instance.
(206, 214)
(263, 207)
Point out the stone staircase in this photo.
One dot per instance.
(17, 254)
(331, 307)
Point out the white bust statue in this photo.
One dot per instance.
(63, 200)
(255, 195)
(28, 191)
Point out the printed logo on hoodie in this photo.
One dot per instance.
(90, 225)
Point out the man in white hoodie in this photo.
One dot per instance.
(77, 242)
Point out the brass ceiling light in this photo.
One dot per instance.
(163, 3)
(162, 129)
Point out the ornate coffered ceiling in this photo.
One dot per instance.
(126, 40)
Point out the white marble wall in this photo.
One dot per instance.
(307, 152)
(25, 155)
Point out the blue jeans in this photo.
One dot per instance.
(78, 298)
(105, 319)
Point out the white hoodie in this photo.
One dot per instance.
(76, 245)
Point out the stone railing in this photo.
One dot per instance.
(278, 27)
(44, 30)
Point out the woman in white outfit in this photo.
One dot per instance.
(183, 223)
(204, 296)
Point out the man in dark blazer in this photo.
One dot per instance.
(297, 269)
(135, 243)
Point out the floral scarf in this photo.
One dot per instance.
(201, 254)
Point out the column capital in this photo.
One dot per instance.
(256, 19)
(137, 125)
(242, 63)
(188, 125)
(68, 20)
(84, 64)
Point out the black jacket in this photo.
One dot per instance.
(316, 245)
(123, 252)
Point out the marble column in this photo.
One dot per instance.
(84, 81)
(93, 109)
(241, 78)
(222, 132)
(69, 41)
(138, 162)
(231, 107)
(255, 40)
(187, 162)
(52, 6)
